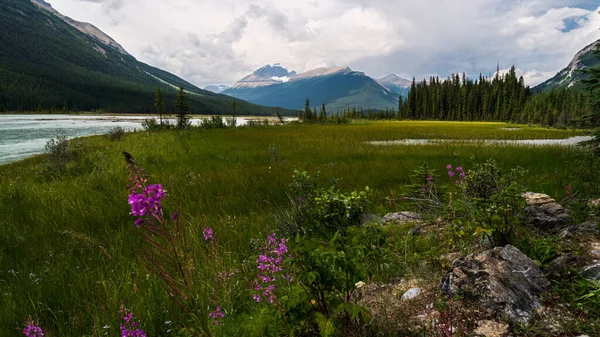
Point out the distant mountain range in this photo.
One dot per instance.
(51, 62)
(337, 88)
(571, 76)
(217, 88)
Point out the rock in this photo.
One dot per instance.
(561, 266)
(491, 329)
(368, 218)
(450, 256)
(501, 279)
(592, 272)
(543, 211)
(594, 202)
(411, 293)
(401, 217)
(586, 229)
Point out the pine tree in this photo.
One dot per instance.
(307, 112)
(159, 104)
(182, 108)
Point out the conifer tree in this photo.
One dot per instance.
(159, 104)
(182, 108)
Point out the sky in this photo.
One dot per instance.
(221, 41)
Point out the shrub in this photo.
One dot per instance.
(116, 133)
(214, 122)
(59, 152)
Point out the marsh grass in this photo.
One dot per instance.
(68, 245)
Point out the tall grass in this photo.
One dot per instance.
(68, 244)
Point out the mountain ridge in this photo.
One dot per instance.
(49, 62)
(572, 74)
(336, 87)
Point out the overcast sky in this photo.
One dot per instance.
(221, 41)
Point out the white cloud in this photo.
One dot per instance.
(209, 41)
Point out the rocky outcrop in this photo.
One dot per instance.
(502, 280)
(401, 218)
(543, 211)
(586, 229)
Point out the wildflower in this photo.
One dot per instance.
(32, 330)
(270, 265)
(459, 169)
(424, 189)
(130, 327)
(430, 179)
(215, 315)
(208, 234)
(449, 167)
(450, 174)
(175, 215)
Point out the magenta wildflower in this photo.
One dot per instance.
(130, 327)
(215, 315)
(459, 169)
(449, 167)
(424, 189)
(430, 179)
(208, 234)
(32, 330)
(450, 174)
(270, 264)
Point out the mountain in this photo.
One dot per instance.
(396, 84)
(265, 76)
(51, 62)
(337, 88)
(571, 76)
(217, 88)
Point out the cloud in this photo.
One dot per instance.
(209, 41)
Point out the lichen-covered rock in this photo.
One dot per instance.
(491, 329)
(401, 218)
(561, 266)
(592, 271)
(501, 279)
(543, 211)
(411, 293)
(586, 229)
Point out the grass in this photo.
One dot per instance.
(68, 245)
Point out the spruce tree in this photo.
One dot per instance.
(159, 104)
(182, 108)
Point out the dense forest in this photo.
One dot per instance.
(500, 98)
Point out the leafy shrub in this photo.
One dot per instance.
(484, 201)
(214, 122)
(59, 152)
(319, 211)
(116, 133)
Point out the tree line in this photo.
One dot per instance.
(503, 98)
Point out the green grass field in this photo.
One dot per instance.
(68, 245)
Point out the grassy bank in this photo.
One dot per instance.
(68, 245)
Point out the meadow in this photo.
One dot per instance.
(69, 248)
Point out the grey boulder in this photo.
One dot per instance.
(502, 280)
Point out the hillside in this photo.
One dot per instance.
(51, 62)
(571, 76)
(337, 88)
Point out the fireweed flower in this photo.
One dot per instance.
(215, 315)
(130, 327)
(270, 265)
(208, 234)
(32, 330)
